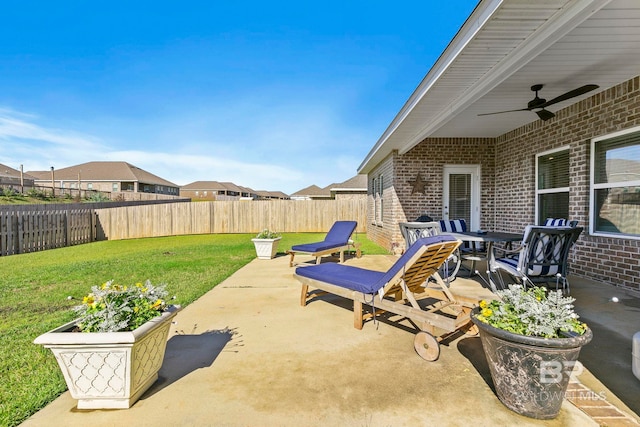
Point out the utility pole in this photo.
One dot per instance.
(53, 183)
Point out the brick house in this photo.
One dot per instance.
(13, 179)
(577, 158)
(353, 188)
(113, 177)
(214, 190)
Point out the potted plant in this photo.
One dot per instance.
(266, 243)
(112, 353)
(531, 338)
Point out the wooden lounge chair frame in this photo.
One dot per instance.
(429, 304)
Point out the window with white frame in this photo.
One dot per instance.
(377, 191)
(552, 185)
(381, 193)
(374, 192)
(615, 184)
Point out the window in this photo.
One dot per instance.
(378, 202)
(89, 185)
(552, 185)
(374, 191)
(615, 184)
(114, 186)
(381, 193)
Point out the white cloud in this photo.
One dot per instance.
(286, 149)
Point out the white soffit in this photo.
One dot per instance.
(503, 49)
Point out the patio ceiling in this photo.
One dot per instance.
(504, 48)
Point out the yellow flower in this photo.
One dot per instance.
(487, 312)
(88, 300)
(483, 304)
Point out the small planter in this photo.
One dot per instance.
(110, 370)
(530, 374)
(266, 248)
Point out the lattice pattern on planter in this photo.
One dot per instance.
(148, 355)
(95, 373)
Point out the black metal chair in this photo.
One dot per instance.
(541, 259)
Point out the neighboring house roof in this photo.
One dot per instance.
(229, 186)
(8, 172)
(204, 186)
(504, 48)
(104, 171)
(312, 191)
(355, 184)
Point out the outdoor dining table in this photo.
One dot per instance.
(489, 238)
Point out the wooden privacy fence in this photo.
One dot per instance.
(38, 228)
(32, 228)
(228, 217)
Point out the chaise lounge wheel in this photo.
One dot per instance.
(426, 346)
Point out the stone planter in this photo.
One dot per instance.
(266, 248)
(530, 374)
(110, 370)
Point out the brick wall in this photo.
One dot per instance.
(508, 181)
(607, 259)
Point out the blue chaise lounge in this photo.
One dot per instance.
(336, 240)
(405, 290)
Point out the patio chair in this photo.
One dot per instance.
(412, 231)
(541, 259)
(336, 240)
(469, 251)
(403, 290)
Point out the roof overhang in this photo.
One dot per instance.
(505, 47)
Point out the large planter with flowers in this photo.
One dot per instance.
(266, 244)
(110, 370)
(531, 373)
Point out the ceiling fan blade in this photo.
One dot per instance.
(545, 114)
(571, 94)
(500, 112)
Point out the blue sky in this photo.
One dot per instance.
(272, 95)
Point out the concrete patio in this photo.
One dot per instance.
(247, 354)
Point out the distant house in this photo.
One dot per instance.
(353, 187)
(14, 179)
(106, 176)
(272, 195)
(214, 190)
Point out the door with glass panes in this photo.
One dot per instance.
(461, 194)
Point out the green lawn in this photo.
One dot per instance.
(37, 291)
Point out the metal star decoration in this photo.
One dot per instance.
(418, 185)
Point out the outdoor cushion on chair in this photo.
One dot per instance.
(336, 240)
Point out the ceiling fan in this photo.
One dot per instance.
(540, 104)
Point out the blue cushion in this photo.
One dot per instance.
(340, 231)
(346, 276)
(453, 226)
(337, 236)
(555, 222)
(360, 279)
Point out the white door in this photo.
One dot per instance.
(461, 194)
